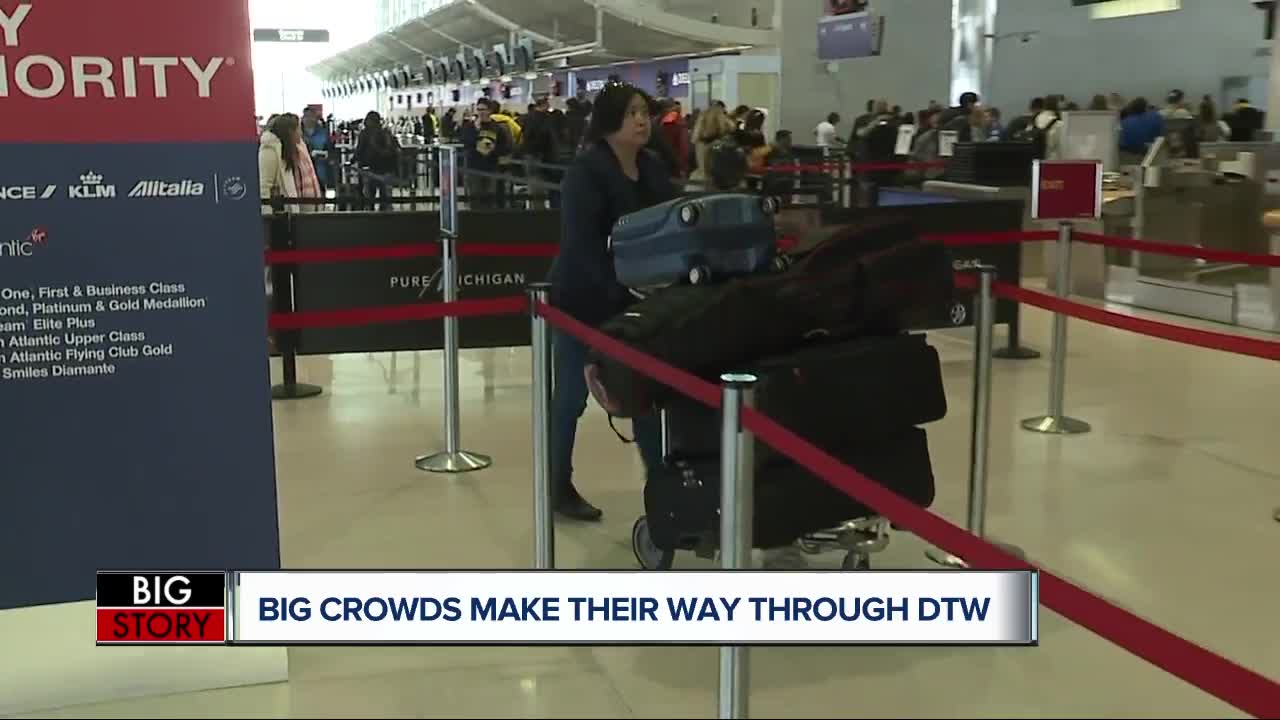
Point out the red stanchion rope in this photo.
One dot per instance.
(685, 382)
(394, 252)
(1158, 248)
(1010, 237)
(397, 313)
(1216, 675)
(854, 167)
(432, 249)
(1237, 344)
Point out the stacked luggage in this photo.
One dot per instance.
(828, 335)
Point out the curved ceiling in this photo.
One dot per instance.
(587, 32)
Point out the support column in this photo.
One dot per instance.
(973, 41)
(1273, 82)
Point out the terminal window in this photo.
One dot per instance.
(1128, 8)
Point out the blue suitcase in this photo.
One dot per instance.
(695, 240)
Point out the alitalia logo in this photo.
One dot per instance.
(166, 189)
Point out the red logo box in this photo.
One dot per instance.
(1066, 190)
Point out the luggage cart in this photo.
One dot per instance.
(859, 538)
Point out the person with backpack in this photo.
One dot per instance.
(1046, 129)
(377, 157)
(1019, 129)
(485, 142)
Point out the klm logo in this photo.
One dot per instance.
(91, 187)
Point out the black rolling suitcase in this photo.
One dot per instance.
(695, 239)
(682, 498)
(832, 393)
(873, 281)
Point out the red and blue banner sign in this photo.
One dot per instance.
(134, 390)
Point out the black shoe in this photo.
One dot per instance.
(576, 507)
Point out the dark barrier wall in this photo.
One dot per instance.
(958, 217)
(135, 419)
(384, 283)
(378, 283)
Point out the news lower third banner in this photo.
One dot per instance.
(569, 608)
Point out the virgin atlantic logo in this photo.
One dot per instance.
(26, 247)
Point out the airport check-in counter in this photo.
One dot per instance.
(1215, 201)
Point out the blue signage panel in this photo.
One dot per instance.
(843, 37)
(135, 419)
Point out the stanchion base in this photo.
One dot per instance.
(296, 391)
(447, 462)
(1048, 425)
(948, 560)
(1016, 352)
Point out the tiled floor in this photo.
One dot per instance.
(1164, 508)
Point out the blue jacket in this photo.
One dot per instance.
(1139, 131)
(318, 139)
(595, 194)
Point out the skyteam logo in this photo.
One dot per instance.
(91, 187)
(234, 188)
(167, 189)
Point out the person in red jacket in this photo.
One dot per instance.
(676, 133)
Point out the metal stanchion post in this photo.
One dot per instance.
(980, 419)
(1055, 423)
(1014, 349)
(847, 178)
(282, 301)
(666, 435)
(454, 459)
(737, 489)
(544, 532)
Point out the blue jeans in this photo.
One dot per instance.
(569, 401)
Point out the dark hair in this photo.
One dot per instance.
(1176, 96)
(1037, 104)
(1099, 102)
(1138, 106)
(741, 111)
(833, 118)
(283, 127)
(968, 98)
(1208, 111)
(727, 166)
(611, 109)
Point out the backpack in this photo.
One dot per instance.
(517, 132)
(1037, 136)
